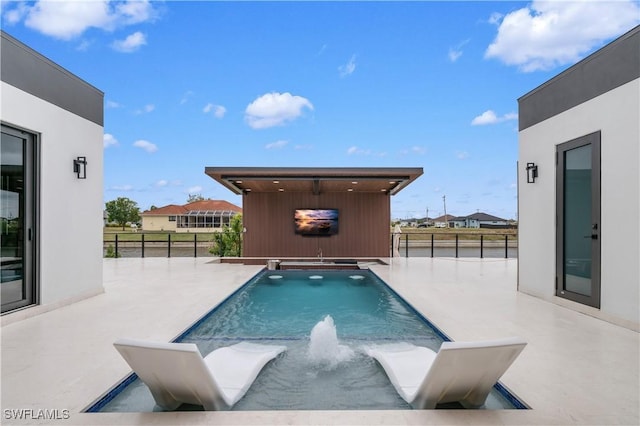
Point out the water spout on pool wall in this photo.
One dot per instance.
(324, 349)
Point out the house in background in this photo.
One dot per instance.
(52, 179)
(478, 220)
(198, 216)
(579, 185)
(441, 221)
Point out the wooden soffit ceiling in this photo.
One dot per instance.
(316, 180)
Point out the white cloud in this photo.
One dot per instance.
(275, 109)
(218, 110)
(84, 46)
(456, 51)
(454, 54)
(185, 98)
(161, 183)
(547, 34)
(112, 104)
(277, 144)
(487, 117)
(495, 18)
(108, 140)
(462, 155)
(146, 109)
(418, 150)
(348, 68)
(354, 150)
(13, 16)
(146, 145)
(194, 190)
(135, 12)
(490, 117)
(124, 188)
(130, 44)
(69, 19)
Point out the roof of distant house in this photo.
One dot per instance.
(203, 205)
(484, 217)
(480, 217)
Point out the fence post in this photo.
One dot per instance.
(431, 245)
(481, 246)
(406, 245)
(142, 245)
(195, 245)
(168, 245)
(506, 246)
(116, 246)
(456, 246)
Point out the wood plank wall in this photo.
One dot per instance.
(364, 225)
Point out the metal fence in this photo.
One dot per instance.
(153, 246)
(454, 245)
(404, 245)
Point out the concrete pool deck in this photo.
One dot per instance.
(576, 369)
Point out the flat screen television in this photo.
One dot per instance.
(318, 222)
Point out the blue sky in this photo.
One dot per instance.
(325, 84)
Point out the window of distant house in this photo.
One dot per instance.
(172, 218)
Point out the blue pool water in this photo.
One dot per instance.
(282, 307)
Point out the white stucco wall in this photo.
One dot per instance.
(70, 228)
(615, 114)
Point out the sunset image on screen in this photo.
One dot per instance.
(316, 221)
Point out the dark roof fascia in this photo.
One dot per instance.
(224, 174)
(27, 70)
(610, 67)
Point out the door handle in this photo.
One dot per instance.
(592, 236)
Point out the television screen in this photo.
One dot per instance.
(316, 221)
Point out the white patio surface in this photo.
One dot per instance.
(575, 370)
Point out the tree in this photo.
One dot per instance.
(123, 210)
(195, 197)
(229, 241)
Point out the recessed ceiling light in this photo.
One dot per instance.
(354, 182)
(248, 189)
(392, 182)
(276, 181)
(281, 189)
(238, 181)
(350, 189)
(383, 190)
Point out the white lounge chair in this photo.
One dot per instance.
(177, 373)
(461, 372)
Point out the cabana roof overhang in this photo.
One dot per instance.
(316, 180)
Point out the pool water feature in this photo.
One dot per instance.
(326, 319)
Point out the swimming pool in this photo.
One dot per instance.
(283, 307)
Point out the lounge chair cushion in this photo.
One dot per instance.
(176, 373)
(461, 372)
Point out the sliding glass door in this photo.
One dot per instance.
(17, 233)
(578, 230)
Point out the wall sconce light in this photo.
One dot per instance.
(532, 172)
(80, 167)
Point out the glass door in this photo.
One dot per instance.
(578, 230)
(17, 286)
